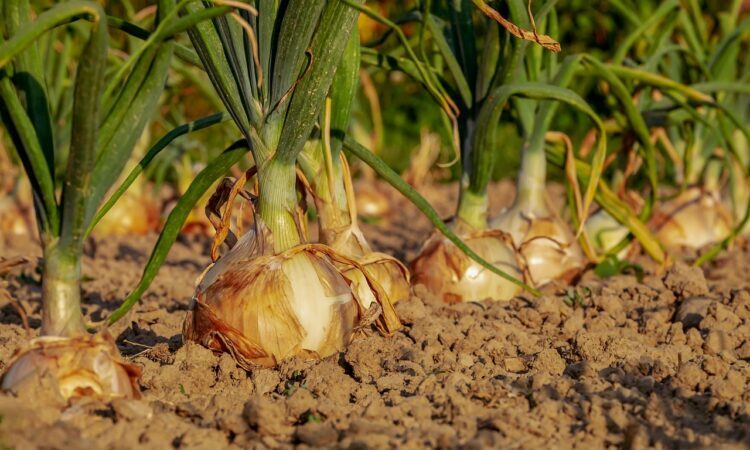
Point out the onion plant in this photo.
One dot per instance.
(711, 147)
(274, 294)
(108, 114)
(486, 67)
(684, 97)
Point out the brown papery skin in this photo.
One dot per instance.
(546, 247)
(693, 219)
(384, 269)
(247, 312)
(84, 365)
(550, 252)
(452, 276)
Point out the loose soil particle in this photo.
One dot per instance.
(660, 364)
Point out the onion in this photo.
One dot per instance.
(16, 206)
(13, 220)
(453, 277)
(384, 269)
(546, 247)
(693, 219)
(263, 308)
(134, 213)
(371, 201)
(606, 232)
(339, 228)
(84, 365)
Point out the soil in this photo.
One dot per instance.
(619, 363)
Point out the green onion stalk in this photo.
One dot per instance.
(640, 78)
(108, 116)
(327, 171)
(275, 294)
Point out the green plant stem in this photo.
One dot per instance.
(711, 179)
(215, 169)
(618, 209)
(330, 200)
(85, 124)
(277, 203)
(478, 161)
(61, 292)
(160, 145)
(472, 208)
(186, 54)
(532, 176)
(695, 159)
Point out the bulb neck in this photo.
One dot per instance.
(61, 293)
(331, 201)
(472, 209)
(277, 203)
(532, 180)
(712, 177)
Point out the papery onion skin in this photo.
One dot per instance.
(391, 276)
(694, 219)
(386, 270)
(546, 246)
(83, 365)
(270, 308)
(453, 277)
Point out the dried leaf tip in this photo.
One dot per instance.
(542, 39)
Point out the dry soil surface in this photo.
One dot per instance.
(660, 362)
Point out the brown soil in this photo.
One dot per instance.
(615, 363)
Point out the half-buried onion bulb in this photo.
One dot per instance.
(546, 246)
(452, 276)
(693, 219)
(83, 365)
(263, 308)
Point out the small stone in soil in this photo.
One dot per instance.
(514, 365)
(692, 310)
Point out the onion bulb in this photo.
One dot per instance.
(693, 219)
(384, 269)
(13, 220)
(339, 229)
(16, 208)
(134, 213)
(546, 246)
(452, 276)
(83, 365)
(606, 232)
(137, 211)
(371, 201)
(263, 308)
